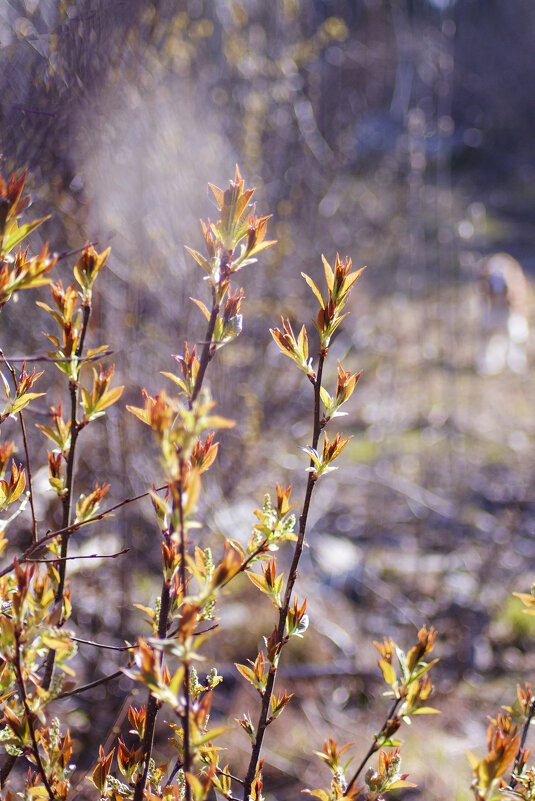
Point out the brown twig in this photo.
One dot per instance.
(208, 347)
(374, 747)
(27, 555)
(29, 718)
(90, 686)
(185, 716)
(520, 752)
(58, 359)
(263, 721)
(153, 704)
(69, 487)
(86, 556)
(30, 481)
(101, 645)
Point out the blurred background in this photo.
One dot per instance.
(397, 132)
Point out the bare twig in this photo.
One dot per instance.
(85, 556)
(28, 553)
(101, 645)
(90, 686)
(58, 359)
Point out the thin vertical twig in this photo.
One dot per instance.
(208, 350)
(374, 747)
(520, 752)
(263, 720)
(69, 486)
(29, 718)
(30, 481)
(185, 716)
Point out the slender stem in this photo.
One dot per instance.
(29, 471)
(102, 645)
(153, 704)
(81, 556)
(84, 687)
(264, 719)
(58, 359)
(69, 486)
(208, 348)
(29, 718)
(28, 553)
(520, 752)
(374, 747)
(26, 452)
(185, 716)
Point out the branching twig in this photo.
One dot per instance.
(28, 553)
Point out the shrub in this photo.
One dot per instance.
(37, 644)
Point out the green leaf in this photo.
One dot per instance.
(314, 289)
(109, 398)
(247, 673)
(20, 232)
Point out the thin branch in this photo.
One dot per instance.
(264, 721)
(101, 645)
(30, 482)
(67, 253)
(86, 556)
(58, 359)
(28, 553)
(29, 718)
(153, 704)
(187, 700)
(520, 752)
(374, 747)
(90, 686)
(69, 487)
(208, 347)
